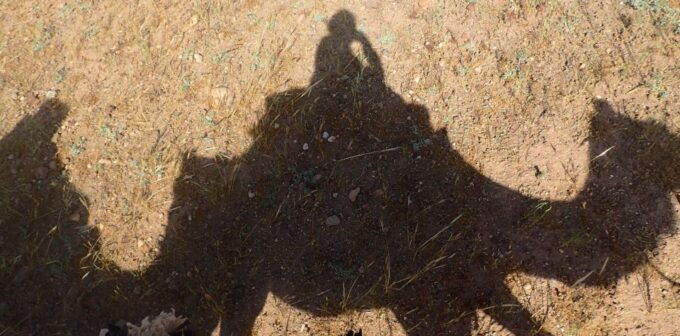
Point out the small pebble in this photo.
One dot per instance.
(75, 217)
(325, 135)
(304, 328)
(305, 146)
(33, 100)
(335, 195)
(332, 220)
(331, 138)
(424, 3)
(51, 94)
(198, 58)
(353, 194)
(251, 194)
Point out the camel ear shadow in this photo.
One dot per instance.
(38, 127)
(612, 134)
(603, 108)
(53, 109)
(606, 120)
(49, 117)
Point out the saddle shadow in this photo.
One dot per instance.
(349, 199)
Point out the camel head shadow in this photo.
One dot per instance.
(629, 194)
(42, 228)
(619, 218)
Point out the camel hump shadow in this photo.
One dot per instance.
(349, 199)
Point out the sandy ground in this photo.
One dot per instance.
(511, 83)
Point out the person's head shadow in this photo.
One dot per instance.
(335, 60)
(43, 237)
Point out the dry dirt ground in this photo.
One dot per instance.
(312, 167)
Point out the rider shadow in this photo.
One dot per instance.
(422, 233)
(43, 239)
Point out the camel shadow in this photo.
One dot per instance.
(349, 199)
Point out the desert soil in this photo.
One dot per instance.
(147, 86)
